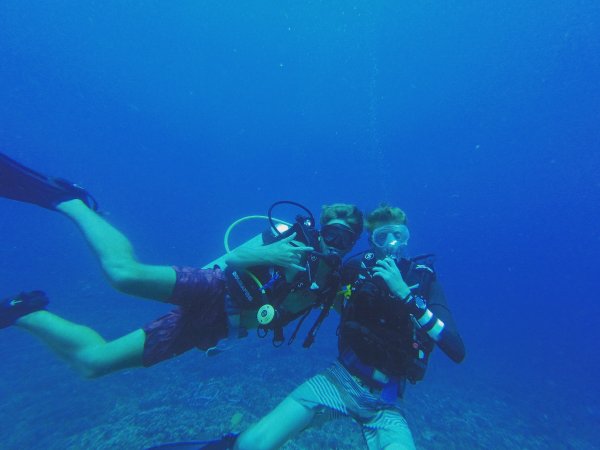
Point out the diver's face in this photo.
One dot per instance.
(337, 236)
(390, 239)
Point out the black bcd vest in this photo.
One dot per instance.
(377, 328)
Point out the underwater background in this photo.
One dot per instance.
(481, 120)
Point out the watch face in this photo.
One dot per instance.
(420, 302)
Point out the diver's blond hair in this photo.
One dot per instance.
(383, 215)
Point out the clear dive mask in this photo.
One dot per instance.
(391, 239)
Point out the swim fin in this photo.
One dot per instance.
(225, 443)
(23, 184)
(12, 308)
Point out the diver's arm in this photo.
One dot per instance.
(436, 320)
(441, 332)
(451, 344)
(280, 253)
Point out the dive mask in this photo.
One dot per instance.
(391, 239)
(338, 236)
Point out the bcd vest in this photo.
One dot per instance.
(377, 328)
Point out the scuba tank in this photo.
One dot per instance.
(258, 285)
(264, 288)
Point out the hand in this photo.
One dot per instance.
(285, 254)
(388, 270)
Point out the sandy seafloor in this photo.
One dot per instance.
(43, 404)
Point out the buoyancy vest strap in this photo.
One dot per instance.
(305, 313)
(310, 337)
(329, 294)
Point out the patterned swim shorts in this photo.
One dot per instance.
(335, 392)
(198, 321)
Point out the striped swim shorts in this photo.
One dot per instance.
(335, 392)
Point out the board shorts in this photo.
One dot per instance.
(336, 392)
(199, 321)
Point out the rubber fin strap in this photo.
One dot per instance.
(287, 317)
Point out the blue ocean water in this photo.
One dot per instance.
(480, 120)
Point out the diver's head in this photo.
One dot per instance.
(388, 232)
(341, 226)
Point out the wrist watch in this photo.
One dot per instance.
(416, 301)
(420, 302)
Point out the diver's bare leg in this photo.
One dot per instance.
(83, 348)
(272, 431)
(116, 256)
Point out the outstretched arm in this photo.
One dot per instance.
(284, 253)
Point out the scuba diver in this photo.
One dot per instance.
(393, 316)
(263, 284)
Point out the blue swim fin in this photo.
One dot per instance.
(224, 443)
(20, 183)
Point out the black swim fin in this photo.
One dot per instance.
(23, 184)
(225, 443)
(17, 306)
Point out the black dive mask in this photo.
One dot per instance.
(338, 236)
